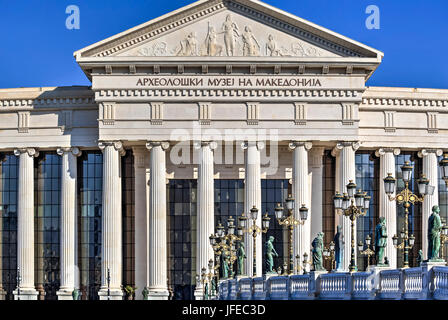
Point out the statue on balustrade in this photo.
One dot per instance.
(338, 247)
(241, 254)
(420, 257)
(225, 264)
(380, 241)
(434, 230)
(145, 293)
(75, 294)
(270, 254)
(318, 247)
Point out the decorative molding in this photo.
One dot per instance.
(432, 122)
(253, 113)
(66, 120)
(389, 121)
(301, 69)
(382, 151)
(348, 113)
(253, 69)
(349, 69)
(156, 113)
(205, 68)
(23, 121)
(325, 69)
(228, 68)
(277, 69)
(108, 69)
(132, 69)
(180, 68)
(50, 102)
(108, 113)
(205, 113)
(403, 102)
(300, 110)
(315, 94)
(156, 69)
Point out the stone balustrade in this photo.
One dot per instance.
(420, 283)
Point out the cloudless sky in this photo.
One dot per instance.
(36, 49)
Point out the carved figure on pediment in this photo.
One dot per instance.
(251, 47)
(211, 46)
(188, 46)
(272, 48)
(230, 30)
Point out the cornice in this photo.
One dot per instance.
(403, 102)
(47, 102)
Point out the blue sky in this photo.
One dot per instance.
(36, 49)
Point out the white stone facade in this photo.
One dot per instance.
(270, 80)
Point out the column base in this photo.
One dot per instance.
(114, 294)
(158, 294)
(25, 294)
(65, 294)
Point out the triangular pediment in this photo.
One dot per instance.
(228, 28)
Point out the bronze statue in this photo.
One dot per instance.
(434, 229)
(145, 293)
(380, 240)
(420, 257)
(318, 247)
(270, 253)
(225, 264)
(338, 247)
(241, 256)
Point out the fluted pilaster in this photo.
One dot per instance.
(206, 203)
(157, 283)
(112, 222)
(252, 197)
(25, 228)
(69, 264)
(301, 194)
(430, 170)
(388, 209)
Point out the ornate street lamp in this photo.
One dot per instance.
(444, 166)
(290, 222)
(407, 198)
(223, 242)
(329, 254)
(352, 205)
(19, 280)
(443, 238)
(254, 230)
(367, 252)
(108, 283)
(207, 278)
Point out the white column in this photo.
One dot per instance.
(388, 209)
(315, 162)
(141, 164)
(69, 264)
(430, 170)
(157, 283)
(111, 262)
(205, 211)
(345, 151)
(25, 227)
(252, 197)
(301, 194)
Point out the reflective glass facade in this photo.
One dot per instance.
(127, 179)
(47, 195)
(90, 181)
(367, 179)
(328, 191)
(9, 166)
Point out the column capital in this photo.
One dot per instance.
(383, 151)
(212, 144)
(151, 144)
(294, 144)
(258, 144)
(118, 145)
(424, 152)
(316, 156)
(74, 150)
(32, 152)
(341, 144)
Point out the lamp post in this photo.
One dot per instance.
(254, 230)
(329, 254)
(108, 283)
(19, 279)
(290, 222)
(444, 166)
(352, 205)
(206, 278)
(407, 198)
(305, 262)
(367, 252)
(223, 242)
(443, 238)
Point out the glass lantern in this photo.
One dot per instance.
(389, 184)
(366, 201)
(406, 170)
(240, 231)
(402, 233)
(423, 182)
(279, 211)
(332, 246)
(212, 240)
(368, 240)
(360, 246)
(411, 240)
(265, 221)
(303, 211)
(444, 166)
(243, 221)
(337, 199)
(345, 201)
(289, 202)
(359, 199)
(220, 230)
(395, 240)
(351, 187)
(231, 225)
(254, 213)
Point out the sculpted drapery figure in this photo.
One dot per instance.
(189, 46)
(434, 229)
(318, 247)
(241, 254)
(230, 30)
(338, 247)
(272, 48)
(380, 240)
(251, 47)
(212, 48)
(270, 253)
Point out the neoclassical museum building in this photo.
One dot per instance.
(192, 118)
